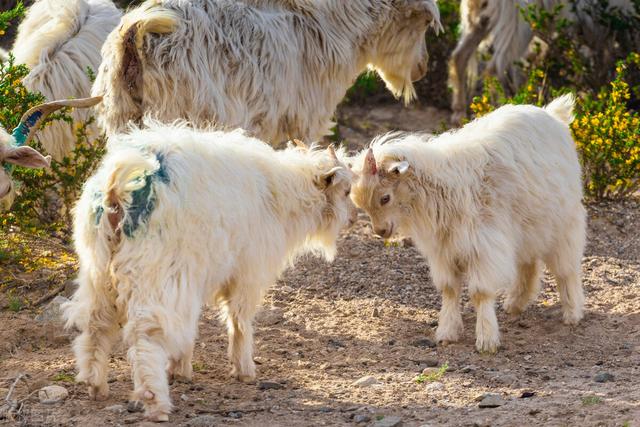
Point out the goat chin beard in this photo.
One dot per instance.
(400, 87)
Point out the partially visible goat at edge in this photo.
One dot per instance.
(499, 24)
(59, 40)
(14, 149)
(276, 68)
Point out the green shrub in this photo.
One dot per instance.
(606, 129)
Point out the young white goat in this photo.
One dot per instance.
(59, 40)
(14, 149)
(276, 68)
(499, 24)
(488, 205)
(175, 217)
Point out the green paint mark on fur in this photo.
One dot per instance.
(142, 200)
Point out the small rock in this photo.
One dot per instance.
(184, 397)
(365, 382)
(335, 343)
(325, 409)
(388, 421)
(604, 377)
(376, 312)
(527, 394)
(527, 357)
(424, 342)
(133, 420)
(467, 369)
(203, 421)
(491, 401)
(116, 409)
(270, 317)
(434, 386)
(52, 394)
(429, 362)
(235, 415)
(269, 385)
(135, 406)
(52, 313)
(361, 418)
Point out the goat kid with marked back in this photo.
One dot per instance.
(487, 204)
(277, 68)
(175, 217)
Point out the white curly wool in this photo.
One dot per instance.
(276, 68)
(174, 218)
(489, 205)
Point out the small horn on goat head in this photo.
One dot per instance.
(370, 166)
(31, 119)
(332, 152)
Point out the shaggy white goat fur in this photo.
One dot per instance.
(227, 215)
(499, 24)
(58, 40)
(276, 68)
(487, 205)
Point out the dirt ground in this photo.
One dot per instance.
(373, 312)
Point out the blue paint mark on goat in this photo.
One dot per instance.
(142, 200)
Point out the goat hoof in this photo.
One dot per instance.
(98, 393)
(158, 417)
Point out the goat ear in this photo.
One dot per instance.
(327, 179)
(27, 157)
(428, 8)
(370, 167)
(398, 168)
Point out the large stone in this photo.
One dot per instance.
(52, 394)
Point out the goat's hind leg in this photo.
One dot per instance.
(99, 329)
(525, 289)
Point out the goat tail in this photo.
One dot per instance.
(562, 108)
(149, 18)
(128, 169)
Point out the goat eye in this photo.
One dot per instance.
(347, 193)
(385, 199)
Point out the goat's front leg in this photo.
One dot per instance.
(458, 67)
(181, 369)
(447, 280)
(239, 310)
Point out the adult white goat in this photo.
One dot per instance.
(59, 40)
(486, 204)
(175, 217)
(499, 24)
(276, 68)
(15, 151)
